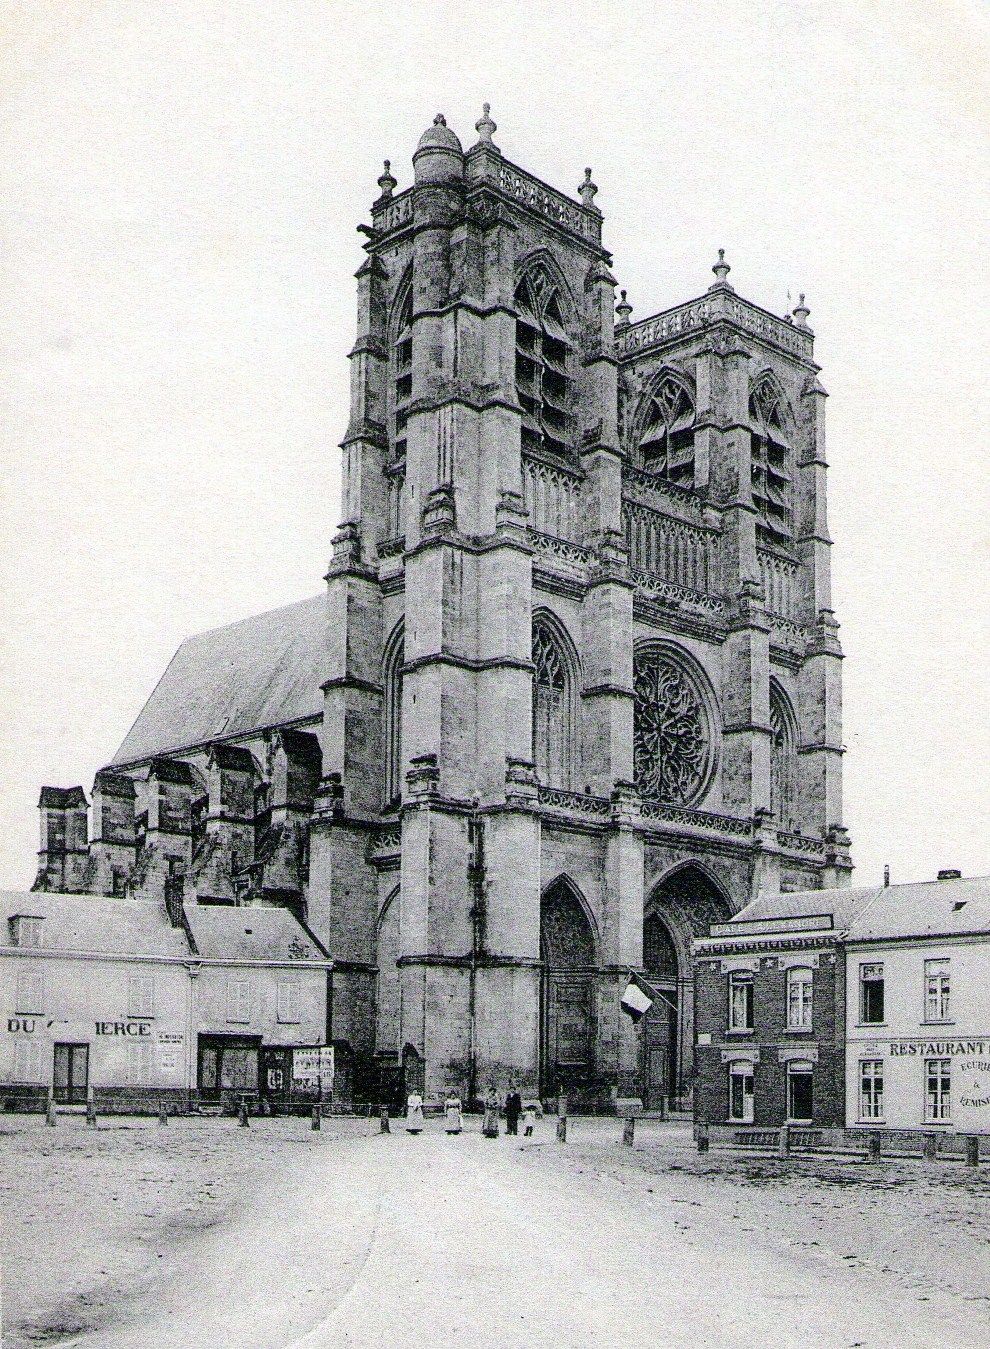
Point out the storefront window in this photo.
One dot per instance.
(741, 1000)
(936, 990)
(871, 993)
(938, 1087)
(799, 999)
(871, 1089)
(741, 1093)
(239, 1068)
(799, 1090)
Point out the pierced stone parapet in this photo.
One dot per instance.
(719, 306)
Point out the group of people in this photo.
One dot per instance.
(454, 1118)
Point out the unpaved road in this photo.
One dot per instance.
(400, 1241)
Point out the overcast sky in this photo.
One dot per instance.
(180, 185)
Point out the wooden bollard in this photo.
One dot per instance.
(315, 1126)
(784, 1141)
(243, 1120)
(162, 1114)
(51, 1119)
(629, 1131)
(929, 1148)
(972, 1150)
(873, 1148)
(91, 1112)
(561, 1128)
(386, 1127)
(701, 1134)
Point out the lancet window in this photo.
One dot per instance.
(553, 721)
(783, 759)
(770, 457)
(666, 432)
(392, 729)
(544, 362)
(401, 374)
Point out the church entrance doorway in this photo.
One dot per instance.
(567, 1002)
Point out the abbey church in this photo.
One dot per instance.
(572, 691)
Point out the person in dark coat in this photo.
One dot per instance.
(513, 1109)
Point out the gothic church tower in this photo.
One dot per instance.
(582, 685)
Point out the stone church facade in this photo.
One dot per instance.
(572, 692)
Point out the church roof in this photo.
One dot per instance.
(232, 681)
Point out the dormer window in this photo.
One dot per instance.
(25, 930)
(543, 366)
(666, 432)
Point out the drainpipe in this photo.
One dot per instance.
(476, 889)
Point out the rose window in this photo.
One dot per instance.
(672, 742)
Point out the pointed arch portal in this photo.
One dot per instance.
(569, 956)
(679, 908)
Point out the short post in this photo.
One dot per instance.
(784, 1141)
(242, 1114)
(50, 1117)
(562, 1123)
(162, 1114)
(701, 1134)
(315, 1126)
(929, 1148)
(91, 1111)
(662, 1108)
(386, 1128)
(629, 1131)
(972, 1150)
(873, 1147)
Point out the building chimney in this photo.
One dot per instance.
(886, 877)
(949, 874)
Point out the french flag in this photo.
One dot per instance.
(638, 998)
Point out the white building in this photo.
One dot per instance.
(133, 1004)
(918, 1008)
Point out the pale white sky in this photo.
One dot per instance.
(180, 186)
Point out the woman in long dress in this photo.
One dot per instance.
(414, 1113)
(490, 1126)
(453, 1120)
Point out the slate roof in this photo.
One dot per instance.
(839, 906)
(226, 933)
(231, 681)
(92, 923)
(926, 909)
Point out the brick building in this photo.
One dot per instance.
(572, 692)
(770, 1012)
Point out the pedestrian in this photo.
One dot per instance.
(530, 1120)
(414, 1113)
(513, 1109)
(453, 1120)
(490, 1125)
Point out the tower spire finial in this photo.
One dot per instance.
(485, 127)
(587, 192)
(801, 312)
(721, 269)
(386, 182)
(623, 309)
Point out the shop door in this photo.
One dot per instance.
(276, 1078)
(227, 1064)
(71, 1078)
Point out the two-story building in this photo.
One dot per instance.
(134, 1004)
(769, 1012)
(918, 1008)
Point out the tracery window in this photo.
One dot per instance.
(770, 453)
(666, 434)
(783, 760)
(552, 717)
(543, 365)
(672, 745)
(402, 374)
(392, 682)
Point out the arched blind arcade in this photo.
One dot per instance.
(552, 709)
(666, 438)
(770, 459)
(543, 365)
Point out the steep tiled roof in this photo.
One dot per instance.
(263, 671)
(130, 927)
(926, 909)
(223, 933)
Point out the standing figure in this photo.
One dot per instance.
(414, 1113)
(490, 1126)
(513, 1109)
(453, 1121)
(530, 1120)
